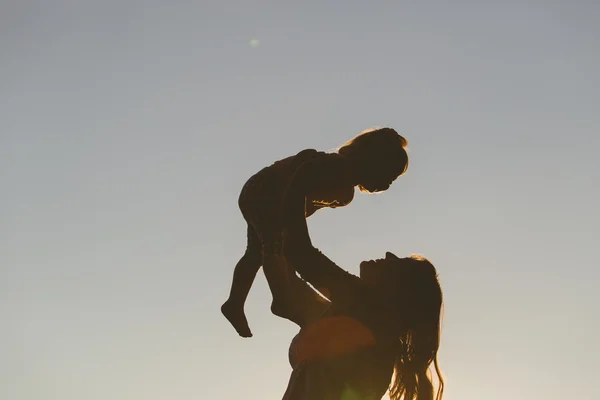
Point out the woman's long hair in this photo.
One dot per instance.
(418, 346)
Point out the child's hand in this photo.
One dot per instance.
(311, 208)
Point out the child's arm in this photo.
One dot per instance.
(314, 206)
(311, 208)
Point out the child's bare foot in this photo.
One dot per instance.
(235, 315)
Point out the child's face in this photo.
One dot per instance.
(378, 174)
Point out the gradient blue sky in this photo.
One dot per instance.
(128, 128)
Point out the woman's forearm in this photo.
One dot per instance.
(323, 274)
(316, 268)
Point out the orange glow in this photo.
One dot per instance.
(330, 337)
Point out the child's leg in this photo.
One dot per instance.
(243, 277)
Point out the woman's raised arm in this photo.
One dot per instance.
(332, 281)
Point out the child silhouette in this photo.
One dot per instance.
(371, 161)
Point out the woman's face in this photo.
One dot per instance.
(381, 272)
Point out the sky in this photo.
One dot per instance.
(127, 129)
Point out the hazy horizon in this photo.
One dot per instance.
(127, 129)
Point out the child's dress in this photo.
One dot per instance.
(261, 197)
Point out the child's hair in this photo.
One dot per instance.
(382, 156)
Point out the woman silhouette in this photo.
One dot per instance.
(378, 332)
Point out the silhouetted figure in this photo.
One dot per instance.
(380, 328)
(371, 161)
